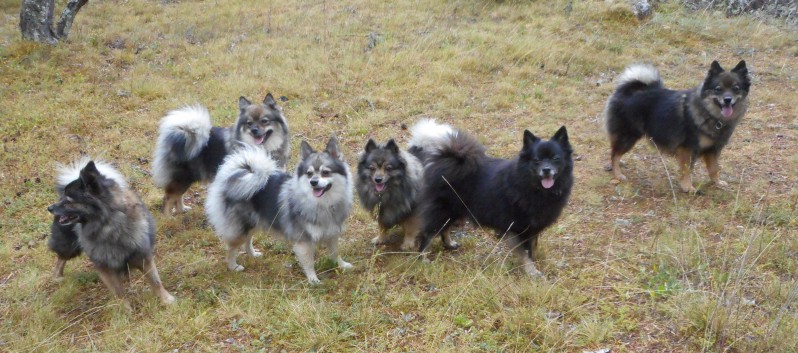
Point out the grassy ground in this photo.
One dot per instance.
(634, 267)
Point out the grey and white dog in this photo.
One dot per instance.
(191, 149)
(306, 208)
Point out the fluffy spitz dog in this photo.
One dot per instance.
(98, 214)
(310, 207)
(689, 124)
(389, 183)
(517, 198)
(191, 149)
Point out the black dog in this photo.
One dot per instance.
(517, 198)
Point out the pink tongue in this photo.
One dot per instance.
(379, 187)
(259, 140)
(63, 219)
(727, 111)
(318, 192)
(547, 182)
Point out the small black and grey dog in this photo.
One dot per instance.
(517, 198)
(99, 215)
(191, 149)
(388, 183)
(689, 124)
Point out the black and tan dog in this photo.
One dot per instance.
(688, 124)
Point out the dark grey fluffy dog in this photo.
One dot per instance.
(99, 215)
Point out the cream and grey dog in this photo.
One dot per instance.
(191, 149)
(310, 207)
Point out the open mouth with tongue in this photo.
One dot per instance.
(67, 219)
(547, 181)
(319, 191)
(727, 111)
(379, 187)
(260, 139)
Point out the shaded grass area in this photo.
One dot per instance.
(633, 267)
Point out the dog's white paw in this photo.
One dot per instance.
(168, 299)
(344, 265)
(236, 268)
(185, 208)
(256, 253)
(378, 241)
(313, 280)
(721, 183)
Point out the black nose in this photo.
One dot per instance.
(546, 171)
(377, 179)
(314, 182)
(50, 208)
(727, 100)
(254, 131)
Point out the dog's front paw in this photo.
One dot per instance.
(169, 299)
(452, 245)
(408, 245)
(236, 268)
(721, 183)
(379, 240)
(184, 209)
(313, 280)
(256, 253)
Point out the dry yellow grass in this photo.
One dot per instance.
(634, 267)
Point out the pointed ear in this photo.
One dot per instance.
(740, 69)
(370, 146)
(392, 146)
(714, 69)
(561, 137)
(305, 149)
(243, 103)
(269, 101)
(90, 177)
(529, 139)
(332, 148)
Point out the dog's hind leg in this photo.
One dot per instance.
(58, 273)
(713, 167)
(232, 252)
(155, 281)
(305, 254)
(250, 249)
(332, 246)
(410, 227)
(173, 198)
(113, 282)
(685, 158)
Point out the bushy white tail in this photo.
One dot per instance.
(429, 135)
(68, 173)
(182, 135)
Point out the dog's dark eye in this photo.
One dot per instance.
(389, 167)
(718, 89)
(309, 173)
(264, 121)
(325, 173)
(555, 158)
(736, 89)
(372, 168)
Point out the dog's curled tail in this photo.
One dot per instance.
(68, 173)
(182, 135)
(428, 136)
(638, 77)
(459, 155)
(242, 174)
